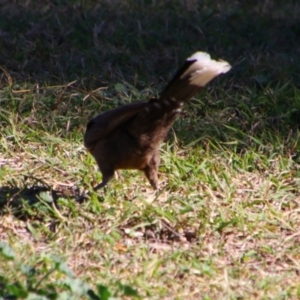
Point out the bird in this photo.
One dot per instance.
(129, 136)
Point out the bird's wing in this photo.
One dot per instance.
(105, 123)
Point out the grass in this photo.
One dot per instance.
(225, 224)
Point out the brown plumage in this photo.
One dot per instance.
(128, 137)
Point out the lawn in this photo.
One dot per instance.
(225, 223)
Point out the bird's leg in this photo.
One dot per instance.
(151, 170)
(107, 175)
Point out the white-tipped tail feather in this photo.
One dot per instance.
(204, 69)
(198, 70)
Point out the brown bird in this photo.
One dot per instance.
(128, 137)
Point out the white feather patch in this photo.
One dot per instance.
(204, 69)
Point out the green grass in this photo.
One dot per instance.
(225, 224)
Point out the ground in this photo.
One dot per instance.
(225, 224)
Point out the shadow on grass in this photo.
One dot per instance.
(32, 199)
(104, 42)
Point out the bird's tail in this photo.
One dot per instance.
(152, 126)
(198, 70)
